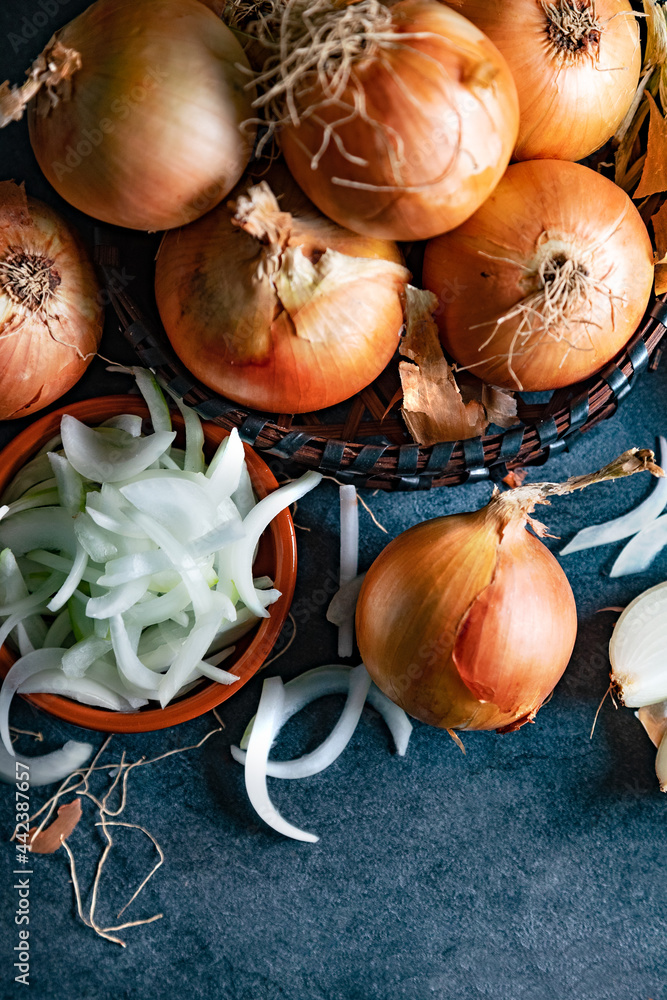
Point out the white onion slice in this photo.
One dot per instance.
(183, 507)
(100, 460)
(34, 472)
(244, 498)
(155, 401)
(72, 581)
(71, 493)
(241, 555)
(641, 679)
(47, 768)
(131, 423)
(193, 650)
(193, 460)
(269, 712)
(349, 560)
(78, 658)
(118, 600)
(628, 524)
(344, 602)
(129, 665)
(335, 679)
(21, 670)
(88, 690)
(224, 472)
(640, 551)
(44, 528)
(332, 747)
(654, 720)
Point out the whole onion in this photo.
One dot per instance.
(397, 121)
(136, 112)
(276, 307)
(50, 305)
(576, 65)
(468, 621)
(547, 282)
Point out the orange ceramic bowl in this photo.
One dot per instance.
(276, 558)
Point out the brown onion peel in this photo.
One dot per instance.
(468, 621)
(51, 312)
(275, 306)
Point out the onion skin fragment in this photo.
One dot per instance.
(147, 135)
(466, 622)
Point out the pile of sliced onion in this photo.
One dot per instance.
(279, 702)
(126, 563)
(639, 667)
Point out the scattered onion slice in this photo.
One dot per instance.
(48, 767)
(349, 560)
(263, 734)
(628, 524)
(640, 551)
(279, 703)
(332, 747)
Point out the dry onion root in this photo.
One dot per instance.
(555, 271)
(136, 110)
(396, 121)
(50, 306)
(276, 307)
(468, 621)
(576, 65)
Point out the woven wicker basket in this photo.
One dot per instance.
(361, 442)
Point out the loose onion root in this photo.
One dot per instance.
(468, 621)
(278, 703)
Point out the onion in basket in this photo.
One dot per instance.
(553, 275)
(396, 120)
(50, 306)
(136, 111)
(576, 65)
(276, 307)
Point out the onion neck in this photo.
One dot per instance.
(49, 81)
(514, 507)
(573, 28)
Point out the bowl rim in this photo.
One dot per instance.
(23, 447)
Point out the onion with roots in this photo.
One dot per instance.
(553, 275)
(276, 307)
(397, 122)
(50, 305)
(468, 621)
(576, 64)
(136, 110)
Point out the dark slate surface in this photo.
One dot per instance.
(531, 868)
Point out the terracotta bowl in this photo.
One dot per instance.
(276, 558)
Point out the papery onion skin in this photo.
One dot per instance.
(215, 289)
(467, 621)
(457, 138)
(149, 138)
(572, 100)
(487, 268)
(44, 349)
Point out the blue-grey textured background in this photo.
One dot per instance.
(533, 867)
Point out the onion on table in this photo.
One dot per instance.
(576, 65)
(468, 621)
(555, 271)
(397, 121)
(135, 112)
(275, 306)
(50, 305)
